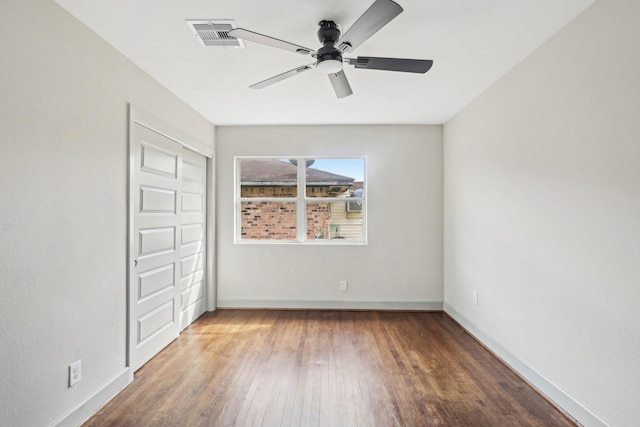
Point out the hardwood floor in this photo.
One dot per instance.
(326, 368)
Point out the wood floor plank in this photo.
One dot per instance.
(326, 368)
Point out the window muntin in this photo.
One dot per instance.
(300, 199)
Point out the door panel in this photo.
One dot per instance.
(192, 243)
(191, 202)
(192, 172)
(157, 200)
(154, 280)
(192, 233)
(158, 280)
(157, 240)
(192, 295)
(167, 250)
(156, 160)
(191, 263)
(156, 321)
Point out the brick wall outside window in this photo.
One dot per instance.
(277, 220)
(268, 220)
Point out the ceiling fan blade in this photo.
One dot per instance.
(280, 77)
(379, 14)
(241, 33)
(392, 64)
(340, 84)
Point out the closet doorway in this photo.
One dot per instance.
(167, 236)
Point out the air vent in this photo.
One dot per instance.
(215, 33)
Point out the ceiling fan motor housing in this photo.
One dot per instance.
(328, 33)
(329, 59)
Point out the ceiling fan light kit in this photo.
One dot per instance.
(329, 66)
(329, 58)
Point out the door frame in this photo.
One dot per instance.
(143, 118)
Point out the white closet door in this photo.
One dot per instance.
(192, 243)
(164, 234)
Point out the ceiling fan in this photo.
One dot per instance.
(329, 58)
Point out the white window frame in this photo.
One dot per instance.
(301, 201)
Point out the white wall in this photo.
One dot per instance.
(64, 97)
(542, 215)
(401, 267)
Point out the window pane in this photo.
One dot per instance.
(318, 216)
(333, 177)
(334, 220)
(268, 221)
(268, 178)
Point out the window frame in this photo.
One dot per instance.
(301, 201)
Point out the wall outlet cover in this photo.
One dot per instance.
(75, 373)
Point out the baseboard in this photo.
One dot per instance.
(333, 305)
(554, 393)
(95, 401)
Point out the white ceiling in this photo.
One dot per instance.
(472, 42)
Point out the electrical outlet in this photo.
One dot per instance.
(475, 297)
(344, 286)
(75, 373)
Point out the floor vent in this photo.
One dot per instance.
(215, 33)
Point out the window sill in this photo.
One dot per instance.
(319, 242)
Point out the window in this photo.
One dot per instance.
(300, 199)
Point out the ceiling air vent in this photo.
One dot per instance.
(215, 33)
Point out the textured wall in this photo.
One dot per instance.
(64, 97)
(402, 264)
(542, 212)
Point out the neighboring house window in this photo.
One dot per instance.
(300, 199)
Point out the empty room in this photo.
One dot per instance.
(199, 228)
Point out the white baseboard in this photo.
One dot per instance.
(333, 305)
(97, 400)
(556, 394)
